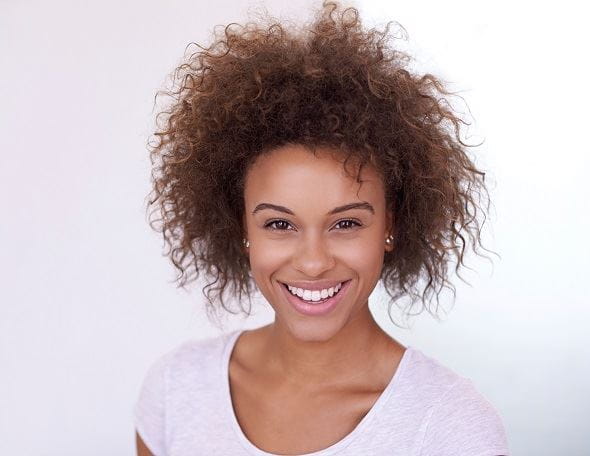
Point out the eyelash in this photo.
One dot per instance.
(268, 225)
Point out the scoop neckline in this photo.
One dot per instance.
(332, 449)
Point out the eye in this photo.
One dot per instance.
(281, 225)
(278, 225)
(349, 223)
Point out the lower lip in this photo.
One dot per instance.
(322, 308)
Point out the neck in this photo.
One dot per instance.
(343, 359)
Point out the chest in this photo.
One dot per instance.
(293, 422)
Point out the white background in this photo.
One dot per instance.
(87, 301)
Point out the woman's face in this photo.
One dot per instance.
(298, 236)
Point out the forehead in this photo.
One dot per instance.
(294, 174)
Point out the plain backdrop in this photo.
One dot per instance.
(87, 301)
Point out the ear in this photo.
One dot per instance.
(244, 225)
(389, 221)
(244, 234)
(389, 229)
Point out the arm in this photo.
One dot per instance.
(464, 423)
(149, 410)
(142, 450)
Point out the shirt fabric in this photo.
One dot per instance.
(185, 408)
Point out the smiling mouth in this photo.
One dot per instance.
(318, 298)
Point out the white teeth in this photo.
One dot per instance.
(314, 295)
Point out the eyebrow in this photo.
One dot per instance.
(362, 205)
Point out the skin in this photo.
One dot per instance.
(301, 365)
(302, 383)
(142, 450)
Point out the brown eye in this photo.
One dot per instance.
(279, 225)
(349, 224)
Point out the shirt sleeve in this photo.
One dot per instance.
(150, 407)
(464, 423)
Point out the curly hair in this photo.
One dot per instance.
(333, 84)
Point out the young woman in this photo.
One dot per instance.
(311, 165)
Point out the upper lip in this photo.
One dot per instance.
(316, 285)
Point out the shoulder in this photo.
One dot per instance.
(186, 369)
(203, 352)
(459, 419)
(428, 374)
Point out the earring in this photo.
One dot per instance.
(389, 239)
(246, 243)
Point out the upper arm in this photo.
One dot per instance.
(465, 423)
(150, 410)
(142, 450)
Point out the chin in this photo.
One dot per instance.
(305, 329)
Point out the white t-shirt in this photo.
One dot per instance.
(184, 408)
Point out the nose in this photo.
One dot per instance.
(312, 256)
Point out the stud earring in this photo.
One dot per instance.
(389, 240)
(246, 243)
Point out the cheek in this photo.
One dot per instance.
(266, 259)
(364, 256)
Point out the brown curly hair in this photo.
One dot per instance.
(336, 85)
